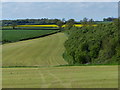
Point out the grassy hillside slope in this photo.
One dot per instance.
(44, 51)
(61, 77)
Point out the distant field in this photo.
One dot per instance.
(61, 77)
(16, 35)
(44, 51)
(50, 26)
(32, 27)
(40, 26)
(55, 26)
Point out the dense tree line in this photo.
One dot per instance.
(69, 23)
(93, 45)
(109, 19)
(43, 21)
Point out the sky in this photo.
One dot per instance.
(60, 0)
(67, 10)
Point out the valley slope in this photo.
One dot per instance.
(46, 51)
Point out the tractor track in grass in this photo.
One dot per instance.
(43, 85)
(55, 80)
(61, 77)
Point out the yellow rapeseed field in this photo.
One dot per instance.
(78, 25)
(37, 25)
(55, 26)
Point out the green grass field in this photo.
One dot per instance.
(47, 51)
(61, 77)
(16, 35)
(44, 51)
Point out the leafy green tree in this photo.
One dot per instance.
(60, 24)
(63, 20)
(70, 23)
(91, 22)
(109, 19)
(14, 24)
(84, 21)
(55, 21)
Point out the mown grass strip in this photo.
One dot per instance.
(66, 65)
(61, 77)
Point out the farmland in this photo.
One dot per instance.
(17, 35)
(41, 62)
(44, 25)
(31, 53)
(59, 45)
(61, 77)
(53, 26)
(44, 51)
(41, 26)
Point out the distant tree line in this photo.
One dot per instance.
(69, 23)
(109, 19)
(45, 21)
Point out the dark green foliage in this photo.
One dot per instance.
(42, 21)
(70, 23)
(84, 21)
(14, 24)
(60, 24)
(93, 45)
(109, 19)
(46, 21)
(87, 21)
